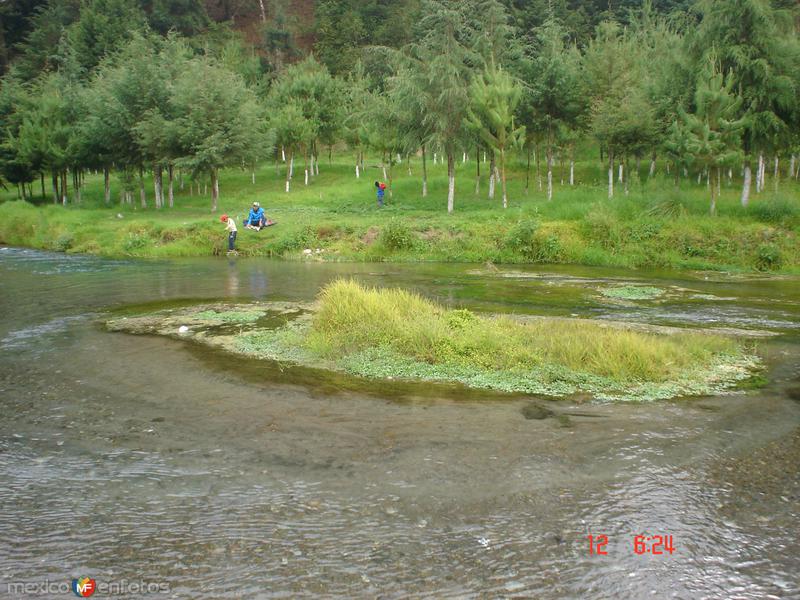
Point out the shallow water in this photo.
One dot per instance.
(146, 459)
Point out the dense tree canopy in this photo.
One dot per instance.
(135, 86)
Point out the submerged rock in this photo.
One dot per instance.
(534, 411)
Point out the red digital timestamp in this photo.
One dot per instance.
(642, 544)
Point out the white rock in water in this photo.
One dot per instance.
(307, 251)
(183, 329)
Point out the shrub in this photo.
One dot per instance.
(63, 242)
(521, 239)
(768, 257)
(397, 236)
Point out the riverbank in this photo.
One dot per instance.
(335, 218)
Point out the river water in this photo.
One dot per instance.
(143, 459)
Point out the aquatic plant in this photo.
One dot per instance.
(632, 292)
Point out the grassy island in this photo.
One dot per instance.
(393, 333)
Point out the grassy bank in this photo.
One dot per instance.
(654, 225)
(394, 334)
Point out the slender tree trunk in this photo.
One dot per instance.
(713, 187)
(157, 188)
(652, 171)
(451, 182)
(142, 196)
(719, 181)
(528, 170)
(64, 189)
(503, 176)
(253, 176)
(291, 164)
(477, 171)
(424, 173)
(283, 154)
(391, 195)
(305, 166)
(491, 175)
(791, 166)
(263, 11)
(561, 167)
(289, 169)
(106, 185)
(610, 173)
(41, 179)
(549, 172)
(170, 190)
(538, 167)
(214, 189)
(776, 174)
(76, 183)
(620, 174)
(571, 166)
(760, 174)
(54, 176)
(312, 167)
(746, 183)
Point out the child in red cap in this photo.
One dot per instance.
(230, 227)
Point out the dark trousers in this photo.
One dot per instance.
(231, 240)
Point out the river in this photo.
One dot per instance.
(143, 459)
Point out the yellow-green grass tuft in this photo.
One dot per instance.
(352, 318)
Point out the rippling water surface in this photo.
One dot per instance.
(145, 459)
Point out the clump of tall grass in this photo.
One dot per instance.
(352, 318)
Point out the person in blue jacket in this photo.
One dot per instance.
(256, 219)
(381, 187)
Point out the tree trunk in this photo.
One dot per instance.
(170, 191)
(289, 169)
(713, 187)
(263, 11)
(571, 166)
(253, 176)
(312, 167)
(652, 171)
(106, 186)
(503, 176)
(538, 168)
(214, 189)
(158, 190)
(358, 173)
(54, 176)
(620, 175)
(76, 183)
(760, 174)
(549, 172)
(746, 184)
(491, 176)
(776, 174)
(610, 173)
(424, 173)
(64, 188)
(791, 167)
(477, 171)
(291, 164)
(451, 182)
(390, 179)
(283, 154)
(528, 170)
(41, 179)
(142, 196)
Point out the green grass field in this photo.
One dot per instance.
(654, 225)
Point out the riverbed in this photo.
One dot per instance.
(139, 458)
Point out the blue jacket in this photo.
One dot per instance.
(255, 216)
